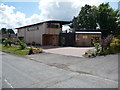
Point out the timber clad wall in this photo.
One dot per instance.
(38, 33)
(85, 39)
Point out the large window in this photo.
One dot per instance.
(52, 26)
(32, 28)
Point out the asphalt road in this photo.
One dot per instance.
(53, 71)
(0, 70)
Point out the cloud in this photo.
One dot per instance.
(57, 10)
(10, 19)
(63, 9)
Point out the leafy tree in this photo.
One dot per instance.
(10, 31)
(108, 17)
(3, 31)
(103, 16)
(87, 17)
(7, 31)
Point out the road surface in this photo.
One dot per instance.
(26, 72)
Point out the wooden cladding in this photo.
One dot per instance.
(50, 39)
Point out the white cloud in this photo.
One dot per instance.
(65, 9)
(10, 19)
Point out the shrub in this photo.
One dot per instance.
(7, 42)
(22, 45)
(30, 51)
(33, 43)
(115, 42)
(2, 39)
(94, 52)
(98, 48)
(34, 50)
(105, 43)
(91, 53)
(114, 47)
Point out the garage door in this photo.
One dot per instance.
(50, 39)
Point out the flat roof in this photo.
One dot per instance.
(50, 21)
(89, 32)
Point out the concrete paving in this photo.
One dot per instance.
(69, 51)
(49, 71)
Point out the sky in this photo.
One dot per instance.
(16, 13)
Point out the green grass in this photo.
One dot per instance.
(13, 50)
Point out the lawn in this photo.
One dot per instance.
(13, 50)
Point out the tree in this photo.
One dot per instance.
(3, 30)
(107, 18)
(87, 17)
(103, 16)
(10, 31)
(7, 31)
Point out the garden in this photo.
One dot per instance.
(17, 47)
(108, 45)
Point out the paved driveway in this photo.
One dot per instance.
(70, 51)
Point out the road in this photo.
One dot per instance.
(37, 71)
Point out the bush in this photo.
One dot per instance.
(91, 53)
(114, 47)
(22, 45)
(94, 52)
(2, 39)
(115, 42)
(34, 50)
(98, 48)
(7, 42)
(33, 43)
(105, 43)
(30, 51)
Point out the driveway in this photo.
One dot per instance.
(70, 51)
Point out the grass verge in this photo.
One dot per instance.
(13, 50)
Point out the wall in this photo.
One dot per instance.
(37, 34)
(53, 30)
(21, 32)
(85, 39)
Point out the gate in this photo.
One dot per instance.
(66, 39)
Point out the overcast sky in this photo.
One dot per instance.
(15, 13)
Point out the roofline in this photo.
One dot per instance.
(88, 32)
(61, 22)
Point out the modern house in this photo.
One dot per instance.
(50, 33)
(44, 33)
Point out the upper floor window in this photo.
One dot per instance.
(32, 28)
(52, 26)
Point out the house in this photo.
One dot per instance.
(44, 33)
(50, 33)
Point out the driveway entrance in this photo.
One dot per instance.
(70, 51)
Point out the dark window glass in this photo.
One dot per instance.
(52, 26)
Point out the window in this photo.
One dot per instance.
(32, 28)
(52, 26)
(85, 37)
